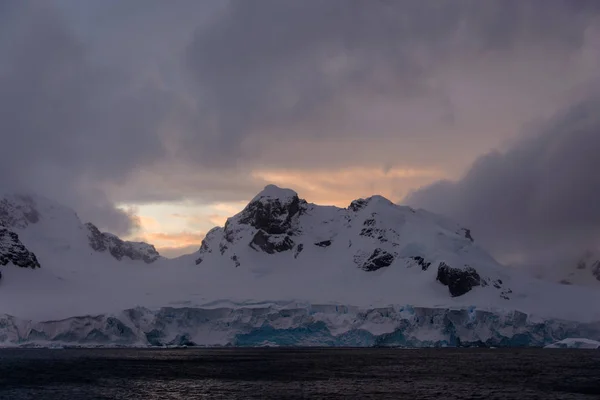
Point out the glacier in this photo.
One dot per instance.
(575, 343)
(285, 324)
(282, 272)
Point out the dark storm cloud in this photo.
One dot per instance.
(278, 62)
(66, 124)
(540, 196)
(152, 101)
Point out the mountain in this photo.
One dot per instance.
(371, 234)
(103, 241)
(586, 271)
(30, 224)
(281, 272)
(582, 270)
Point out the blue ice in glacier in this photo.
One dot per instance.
(297, 325)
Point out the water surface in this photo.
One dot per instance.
(299, 373)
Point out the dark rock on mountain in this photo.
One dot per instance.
(272, 215)
(596, 270)
(467, 234)
(357, 205)
(324, 243)
(421, 262)
(383, 235)
(12, 250)
(271, 243)
(102, 241)
(379, 259)
(299, 249)
(459, 281)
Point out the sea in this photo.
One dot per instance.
(299, 373)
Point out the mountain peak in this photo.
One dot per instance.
(278, 229)
(102, 241)
(376, 200)
(275, 192)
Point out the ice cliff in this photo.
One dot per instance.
(296, 325)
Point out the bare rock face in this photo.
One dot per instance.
(357, 205)
(467, 233)
(101, 241)
(459, 281)
(272, 215)
(12, 250)
(271, 243)
(422, 262)
(596, 270)
(267, 224)
(378, 259)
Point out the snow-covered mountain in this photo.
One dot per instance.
(284, 272)
(586, 271)
(103, 241)
(371, 234)
(31, 224)
(581, 270)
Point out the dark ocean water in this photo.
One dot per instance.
(299, 373)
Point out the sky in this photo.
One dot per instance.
(157, 120)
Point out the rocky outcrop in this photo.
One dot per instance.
(467, 233)
(299, 249)
(596, 270)
(357, 205)
(459, 281)
(378, 259)
(101, 242)
(421, 262)
(13, 251)
(273, 215)
(271, 243)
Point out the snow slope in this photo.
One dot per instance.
(575, 343)
(279, 254)
(53, 230)
(583, 270)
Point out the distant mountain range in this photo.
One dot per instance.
(280, 252)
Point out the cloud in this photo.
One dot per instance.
(180, 238)
(376, 81)
(146, 102)
(370, 87)
(340, 187)
(172, 252)
(173, 244)
(67, 123)
(537, 200)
